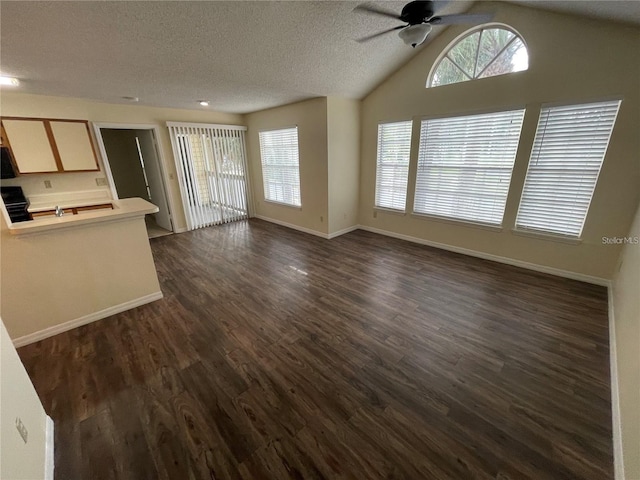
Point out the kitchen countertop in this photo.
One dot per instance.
(122, 209)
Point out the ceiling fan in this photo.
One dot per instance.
(419, 17)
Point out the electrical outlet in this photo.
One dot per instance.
(47, 184)
(101, 182)
(321, 219)
(22, 430)
(375, 214)
(171, 176)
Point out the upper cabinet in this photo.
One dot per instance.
(74, 145)
(50, 145)
(29, 142)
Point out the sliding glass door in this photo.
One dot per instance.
(212, 169)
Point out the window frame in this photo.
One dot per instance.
(408, 166)
(548, 234)
(262, 165)
(462, 221)
(460, 38)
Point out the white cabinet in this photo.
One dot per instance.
(30, 146)
(50, 145)
(74, 145)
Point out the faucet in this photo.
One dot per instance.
(59, 211)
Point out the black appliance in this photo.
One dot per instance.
(6, 165)
(16, 204)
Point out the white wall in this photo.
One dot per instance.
(626, 318)
(570, 60)
(42, 106)
(18, 399)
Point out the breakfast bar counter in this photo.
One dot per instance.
(62, 272)
(122, 209)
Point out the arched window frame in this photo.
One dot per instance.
(466, 34)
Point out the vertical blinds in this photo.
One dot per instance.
(212, 165)
(465, 165)
(280, 166)
(392, 167)
(565, 162)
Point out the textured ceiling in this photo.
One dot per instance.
(616, 10)
(242, 56)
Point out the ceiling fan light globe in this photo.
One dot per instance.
(414, 35)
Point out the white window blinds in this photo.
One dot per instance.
(567, 154)
(392, 167)
(211, 164)
(465, 165)
(280, 166)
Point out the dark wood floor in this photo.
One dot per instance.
(278, 355)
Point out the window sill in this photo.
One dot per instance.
(460, 223)
(547, 236)
(280, 204)
(402, 213)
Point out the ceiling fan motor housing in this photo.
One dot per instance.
(417, 12)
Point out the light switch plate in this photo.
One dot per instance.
(101, 181)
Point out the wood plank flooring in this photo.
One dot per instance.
(278, 355)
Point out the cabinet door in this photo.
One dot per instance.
(30, 145)
(74, 145)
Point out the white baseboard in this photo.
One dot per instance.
(343, 231)
(180, 230)
(292, 226)
(49, 464)
(465, 251)
(92, 317)
(495, 258)
(616, 421)
(308, 230)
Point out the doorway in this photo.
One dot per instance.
(134, 169)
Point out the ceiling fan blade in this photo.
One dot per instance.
(371, 37)
(377, 11)
(475, 18)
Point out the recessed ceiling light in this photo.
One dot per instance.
(204, 103)
(9, 81)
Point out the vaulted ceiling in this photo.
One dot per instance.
(241, 56)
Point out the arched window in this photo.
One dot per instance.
(480, 53)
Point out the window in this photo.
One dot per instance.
(465, 164)
(567, 154)
(280, 167)
(479, 54)
(392, 167)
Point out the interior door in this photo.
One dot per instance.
(154, 177)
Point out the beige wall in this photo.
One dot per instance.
(23, 105)
(571, 60)
(343, 145)
(311, 118)
(58, 276)
(18, 399)
(626, 315)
